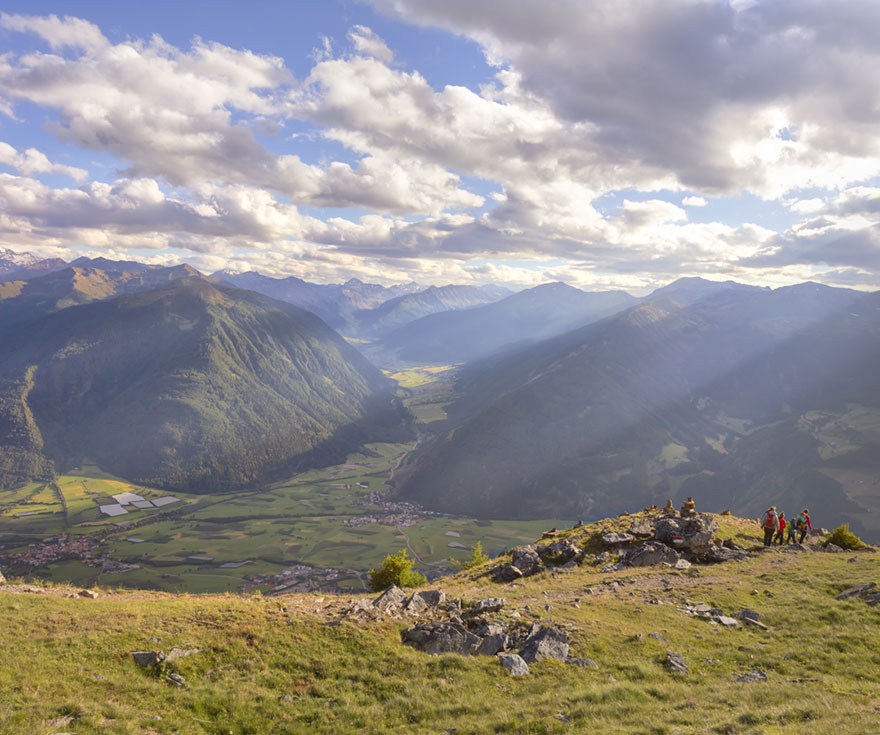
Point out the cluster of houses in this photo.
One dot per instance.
(298, 578)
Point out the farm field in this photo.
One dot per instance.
(332, 518)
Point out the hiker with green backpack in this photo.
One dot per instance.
(803, 524)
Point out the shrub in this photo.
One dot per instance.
(396, 569)
(477, 558)
(845, 539)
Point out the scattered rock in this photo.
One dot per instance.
(88, 594)
(415, 605)
(175, 678)
(392, 598)
(653, 552)
(618, 539)
(489, 605)
(506, 573)
(657, 637)
(752, 676)
(859, 590)
(796, 547)
(676, 664)
(727, 621)
(545, 642)
(616, 567)
(833, 548)
(177, 653)
(526, 559)
(444, 637)
(434, 598)
(582, 663)
(148, 659)
(748, 615)
(493, 644)
(682, 564)
(514, 664)
(642, 527)
(717, 554)
(559, 552)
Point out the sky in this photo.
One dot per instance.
(607, 144)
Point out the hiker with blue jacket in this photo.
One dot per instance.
(770, 524)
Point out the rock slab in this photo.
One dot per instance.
(543, 643)
(514, 664)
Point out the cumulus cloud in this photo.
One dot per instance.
(32, 161)
(723, 96)
(766, 98)
(172, 114)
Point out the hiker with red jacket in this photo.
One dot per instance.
(803, 524)
(770, 524)
(781, 530)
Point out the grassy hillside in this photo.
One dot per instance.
(193, 386)
(299, 664)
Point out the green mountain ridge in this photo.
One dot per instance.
(194, 386)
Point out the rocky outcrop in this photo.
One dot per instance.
(650, 553)
(694, 533)
(559, 552)
(442, 637)
(527, 560)
(506, 573)
(545, 642)
(867, 591)
(676, 664)
(617, 539)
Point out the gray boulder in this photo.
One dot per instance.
(676, 664)
(493, 644)
(148, 659)
(652, 552)
(442, 637)
(617, 539)
(642, 527)
(833, 548)
(176, 653)
(582, 663)
(748, 615)
(415, 605)
(796, 547)
(717, 554)
(489, 605)
(859, 590)
(514, 664)
(559, 552)
(392, 598)
(752, 676)
(696, 532)
(506, 573)
(433, 598)
(492, 628)
(545, 642)
(526, 559)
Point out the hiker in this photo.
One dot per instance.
(778, 537)
(792, 531)
(770, 523)
(803, 524)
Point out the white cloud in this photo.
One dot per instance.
(367, 42)
(694, 201)
(32, 162)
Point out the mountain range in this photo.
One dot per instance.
(519, 319)
(735, 395)
(190, 384)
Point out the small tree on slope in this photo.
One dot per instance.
(396, 569)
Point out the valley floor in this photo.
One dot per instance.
(301, 664)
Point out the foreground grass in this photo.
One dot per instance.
(274, 665)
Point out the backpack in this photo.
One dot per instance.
(768, 519)
(801, 523)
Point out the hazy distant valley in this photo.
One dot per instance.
(306, 430)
